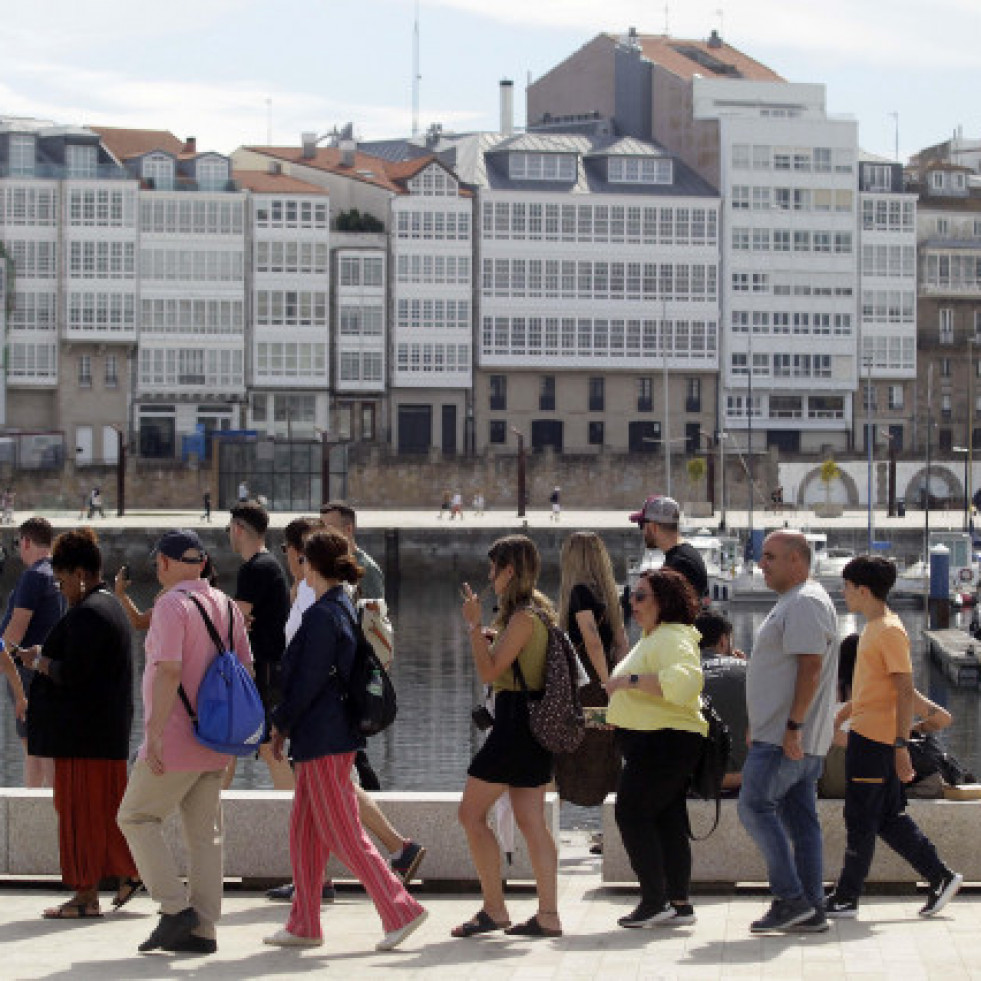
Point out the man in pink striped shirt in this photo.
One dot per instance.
(173, 770)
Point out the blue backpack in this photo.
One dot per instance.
(230, 717)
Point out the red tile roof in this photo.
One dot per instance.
(681, 58)
(368, 169)
(261, 182)
(126, 143)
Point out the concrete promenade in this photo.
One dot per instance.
(887, 941)
(854, 520)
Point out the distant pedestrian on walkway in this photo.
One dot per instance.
(445, 505)
(790, 697)
(173, 771)
(877, 760)
(95, 503)
(243, 492)
(312, 715)
(207, 506)
(456, 506)
(556, 502)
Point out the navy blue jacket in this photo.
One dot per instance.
(311, 713)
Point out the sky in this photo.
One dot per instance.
(234, 72)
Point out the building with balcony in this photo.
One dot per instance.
(597, 259)
(190, 372)
(948, 233)
(68, 220)
(887, 309)
(288, 309)
(786, 172)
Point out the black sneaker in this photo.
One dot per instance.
(782, 915)
(942, 892)
(644, 917)
(817, 923)
(839, 907)
(284, 894)
(407, 862)
(173, 928)
(193, 944)
(684, 915)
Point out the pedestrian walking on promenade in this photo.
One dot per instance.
(790, 696)
(173, 771)
(34, 606)
(80, 715)
(877, 760)
(511, 760)
(312, 715)
(207, 506)
(654, 703)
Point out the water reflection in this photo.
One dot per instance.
(430, 746)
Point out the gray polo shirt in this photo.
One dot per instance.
(803, 621)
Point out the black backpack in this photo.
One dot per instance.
(706, 779)
(368, 693)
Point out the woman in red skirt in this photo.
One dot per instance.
(80, 710)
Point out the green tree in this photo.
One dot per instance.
(830, 472)
(697, 469)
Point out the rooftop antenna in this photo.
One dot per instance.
(667, 25)
(268, 121)
(895, 116)
(416, 77)
(720, 13)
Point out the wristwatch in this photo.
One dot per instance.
(634, 678)
(794, 726)
(900, 743)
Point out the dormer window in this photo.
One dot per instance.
(22, 154)
(159, 169)
(81, 161)
(639, 170)
(211, 173)
(542, 166)
(433, 182)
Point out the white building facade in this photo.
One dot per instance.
(790, 254)
(887, 307)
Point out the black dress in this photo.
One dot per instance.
(511, 755)
(586, 776)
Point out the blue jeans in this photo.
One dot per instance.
(778, 808)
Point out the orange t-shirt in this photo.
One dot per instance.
(883, 650)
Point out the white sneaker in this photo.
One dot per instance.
(283, 938)
(393, 938)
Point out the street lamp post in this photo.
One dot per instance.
(967, 491)
(521, 471)
(121, 472)
(722, 480)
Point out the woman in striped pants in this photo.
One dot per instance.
(312, 715)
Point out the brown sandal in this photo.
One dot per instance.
(482, 922)
(532, 928)
(74, 910)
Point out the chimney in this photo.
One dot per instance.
(507, 106)
(191, 145)
(309, 141)
(347, 148)
(275, 167)
(714, 40)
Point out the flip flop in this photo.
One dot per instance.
(73, 911)
(128, 888)
(532, 928)
(482, 922)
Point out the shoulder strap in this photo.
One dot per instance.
(215, 639)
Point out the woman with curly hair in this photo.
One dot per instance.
(655, 705)
(511, 760)
(80, 713)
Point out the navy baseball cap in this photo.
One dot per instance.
(175, 544)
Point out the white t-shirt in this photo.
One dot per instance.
(305, 598)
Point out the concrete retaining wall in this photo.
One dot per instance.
(257, 839)
(730, 856)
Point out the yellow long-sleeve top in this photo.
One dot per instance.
(671, 652)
